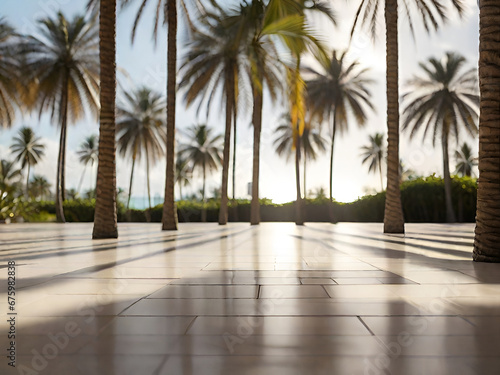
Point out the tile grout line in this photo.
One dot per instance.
(190, 325)
(365, 325)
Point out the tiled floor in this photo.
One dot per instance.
(270, 299)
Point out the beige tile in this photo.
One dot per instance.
(207, 291)
(150, 325)
(418, 325)
(292, 291)
(317, 281)
(282, 325)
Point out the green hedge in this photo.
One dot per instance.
(422, 200)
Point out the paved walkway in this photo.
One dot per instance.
(272, 299)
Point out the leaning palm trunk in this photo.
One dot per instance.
(60, 158)
(169, 218)
(227, 146)
(299, 220)
(450, 214)
(487, 238)
(130, 183)
(334, 130)
(257, 127)
(393, 215)
(105, 221)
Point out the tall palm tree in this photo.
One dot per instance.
(374, 155)
(286, 22)
(431, 12)
(140, 130)
(9, 74)
(28, 150)
(88, 154)
(39, 187)
(339, 88)
(442, 102)
(311, 142)
(62, 73)
(183, 173)
(105, 217)
(487, 238)
(203, 152)
(214, 60)
(465, 160)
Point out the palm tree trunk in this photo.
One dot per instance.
(257, 128)
(234, 151)
(28, 182)
(60, 159)
(234, 207)
(105, 221)
(305, 170)
(169, 217)
(393, 215)
(487, 238)
(227, 146)
(450, 214)
(81, 178)
(203, 207)
(334, 130)
(148, 211)
(380, 174)
(299, 219)
(130, 183)
(63, 162)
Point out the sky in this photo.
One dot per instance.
(145, 64)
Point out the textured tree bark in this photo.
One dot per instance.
(393, 215)
(450, 214)
(130, 183)
(148, 211)
(227, 148)
(169, 217)
(60, 158)
(257, 128)
(105, 220)
(487, 238)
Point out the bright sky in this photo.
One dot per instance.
(147, 65)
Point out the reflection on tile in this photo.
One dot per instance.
(282, 325)
(292, 291)
(418, 325)
(316, 280)
(207, 291)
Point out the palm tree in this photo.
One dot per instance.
(105, 217)
(72, 194)
(9, 74)
(214, 60)
(28, 150)
(338, 89)
(311, 142)
(487, 238)
(9, 178)
(88, 154)
(39, 187)
(203, 152)
(465, 160)
(374, 154)
(431, 12)
(62, 71)
(140, 130)
(442, 102)
(183, 173)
